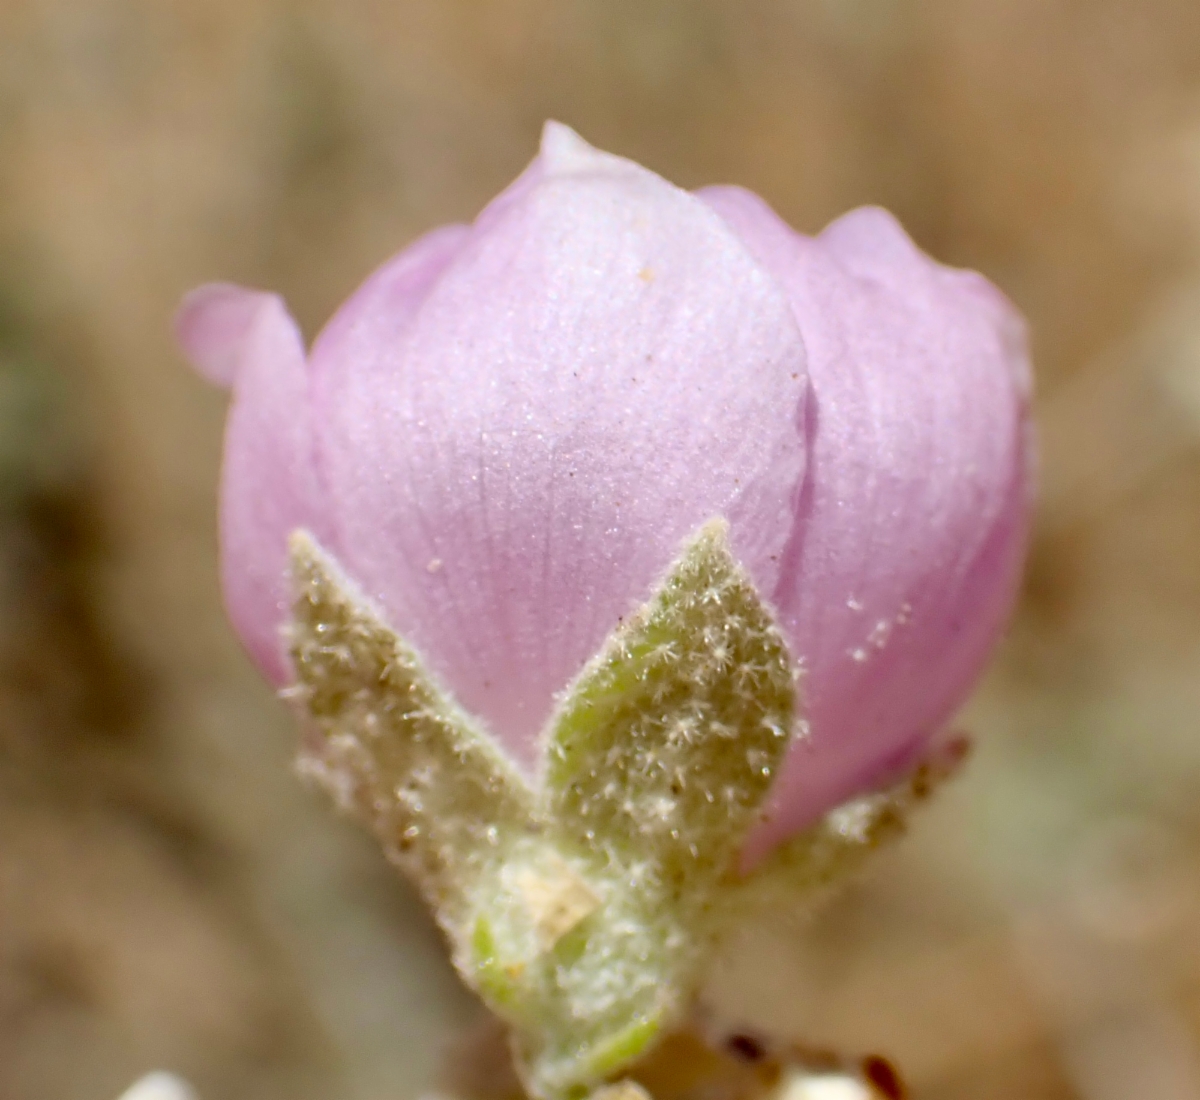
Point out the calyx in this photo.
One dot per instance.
(585, 907)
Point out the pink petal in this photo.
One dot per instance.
(212, 325)
(268, 482)
(383, 307)
(599, 369)
(908, 544)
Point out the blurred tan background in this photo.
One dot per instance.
(171, 897)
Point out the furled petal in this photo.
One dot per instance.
(268, 481)
(212, 326)
(910, 534)
(599, 369)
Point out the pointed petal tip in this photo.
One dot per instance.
(564, 153)
(213, 324)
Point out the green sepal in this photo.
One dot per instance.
(666, 744)
(658, 759)
(390, 745)
(583, 910)
(804, 869)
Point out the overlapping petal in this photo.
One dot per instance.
(268, 480)
(907, 545)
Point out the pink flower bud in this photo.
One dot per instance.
(507, 432)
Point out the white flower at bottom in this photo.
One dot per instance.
(159, 1086)
(825, 1087)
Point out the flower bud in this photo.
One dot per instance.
(605, 544)
(504, 436)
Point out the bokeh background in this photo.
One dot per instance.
(171, 897)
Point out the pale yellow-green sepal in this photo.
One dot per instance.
(392, 747)
(799, 873)
(664, 747)
(658, 759)
(584, 909)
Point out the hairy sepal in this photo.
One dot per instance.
(802, 872)
(583, 908)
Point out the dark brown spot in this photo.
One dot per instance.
(880, 1073)
(747, 1048)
